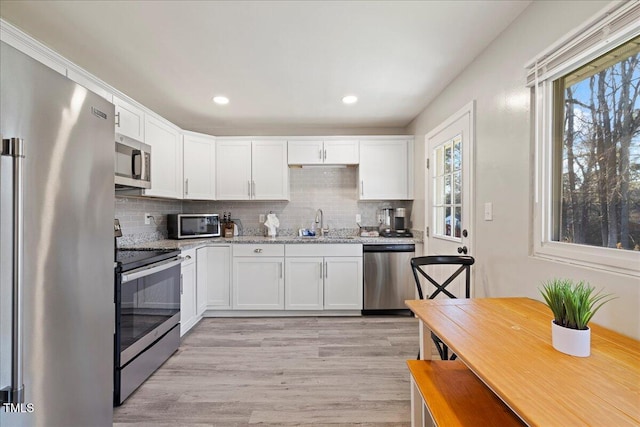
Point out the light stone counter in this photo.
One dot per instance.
(192, 243)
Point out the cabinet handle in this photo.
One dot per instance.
(249, 188)
(186, 186)
(181, 284)
(362, 187)
(187, 258)
(325, 154)
(321, 270)
(320, 153)
(118, 119)
(326, 270)
(253, 188)
(281, 269)
(258, 250)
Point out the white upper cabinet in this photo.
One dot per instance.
(166, 155)
(386, 170)
(251, 170)
(318, 152)
(199, 167)
(270, 174)
(305, 152)
(129, 119)
(233, 169)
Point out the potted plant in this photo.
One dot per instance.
(573, 305)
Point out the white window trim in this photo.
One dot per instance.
(617, 23)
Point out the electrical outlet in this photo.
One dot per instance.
(358, 218)
(147, 218)
(261, 218)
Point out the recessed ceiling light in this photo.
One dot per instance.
(221, 100)
(350, 99)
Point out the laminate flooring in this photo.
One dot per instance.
(282, 372)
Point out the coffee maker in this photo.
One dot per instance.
(393, 222)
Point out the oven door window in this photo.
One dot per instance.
(147, 303)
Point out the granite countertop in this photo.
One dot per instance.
(192, 243)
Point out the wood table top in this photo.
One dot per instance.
(506, 342)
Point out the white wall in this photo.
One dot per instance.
(504, 168)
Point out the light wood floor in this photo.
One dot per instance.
(282, 371)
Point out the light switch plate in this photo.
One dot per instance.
(147, 218)
(358, 218)
(261, 218)
(488, 211)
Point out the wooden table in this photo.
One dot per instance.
(506, 342)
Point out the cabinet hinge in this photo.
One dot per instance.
(427, 163)
(427, 231)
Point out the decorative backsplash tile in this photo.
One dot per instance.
(334, 190)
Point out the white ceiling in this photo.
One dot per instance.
(285, 65)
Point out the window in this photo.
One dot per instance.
(596, 143)
(447, 188)
(586, 106)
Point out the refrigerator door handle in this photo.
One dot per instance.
(14, 393)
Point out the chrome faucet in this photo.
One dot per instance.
(320, 220)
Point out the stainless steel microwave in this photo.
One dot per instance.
(189, 226)
(132, 163)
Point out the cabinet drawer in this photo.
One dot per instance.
(255, 250)
(320, 249)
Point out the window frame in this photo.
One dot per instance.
(543, 71)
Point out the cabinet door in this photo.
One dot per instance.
(341, 152)
(304, 283)
(343, 283)
(188, 314)
(269, 170)
(384, 170)
(199, 167)
(258, 283)
(305, 152)
(233, 169)
(214, 278)
(129, 120)
(166, 159)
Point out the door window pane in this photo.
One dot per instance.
(447, 187)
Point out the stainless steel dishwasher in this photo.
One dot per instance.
(388, 280)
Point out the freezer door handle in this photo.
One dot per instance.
(14, 393)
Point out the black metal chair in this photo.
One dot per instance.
(465, 263)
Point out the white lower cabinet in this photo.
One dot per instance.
(258, 277)
(188, 304)
(214, 278)
(304, 283)
(343, 283)
(323, 277)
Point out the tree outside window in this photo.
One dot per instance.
(597, 152)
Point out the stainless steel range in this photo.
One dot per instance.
(147, 297)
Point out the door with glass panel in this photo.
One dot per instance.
(448, 187)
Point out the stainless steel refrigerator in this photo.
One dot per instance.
(56, 248)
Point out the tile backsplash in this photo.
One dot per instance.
(334, 190)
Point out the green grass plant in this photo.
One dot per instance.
(573, 304)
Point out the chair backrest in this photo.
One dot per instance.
(465, 263)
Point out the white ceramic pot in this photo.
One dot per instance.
(576, 342)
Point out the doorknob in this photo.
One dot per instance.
(462, 250)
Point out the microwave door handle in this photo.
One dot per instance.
(147, 271)
(137, 164)
(14, 148)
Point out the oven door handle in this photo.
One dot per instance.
(152, 269)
